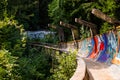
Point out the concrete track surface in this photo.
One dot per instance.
(88, 69)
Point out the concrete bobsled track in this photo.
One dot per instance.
(80, 70)
(99, 57)
(90, 70)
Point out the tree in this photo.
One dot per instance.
(26, 12)
(64, 67)
(3, 9)
(43, 13)
(67, 10)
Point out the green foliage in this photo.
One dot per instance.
(55, 12)
(53, 7)
(26, 12)
(50, 39)
(11, 36)
(43, 13)
(12, 40)
(18, 63)
(3, 9)
(84, 31)
(65, 67)
(108, 7)
(105, 28)
(32, 64)
(46, 64)
(7, 63)
(35, 66)
(82, 9)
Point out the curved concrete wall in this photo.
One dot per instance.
(80, 70)
(102, 53)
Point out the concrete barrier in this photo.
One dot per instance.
(102, 71)
(87, 69)
(80, 70)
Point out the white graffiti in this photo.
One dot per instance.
(38, 34)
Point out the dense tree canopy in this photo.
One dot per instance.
(67, 10)
(26, 12)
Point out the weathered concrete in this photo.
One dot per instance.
(101, 71)
(94, 70)
(80, 70)
(88, 69)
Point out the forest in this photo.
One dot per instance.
(21, 61)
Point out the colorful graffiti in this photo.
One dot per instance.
(103, 48)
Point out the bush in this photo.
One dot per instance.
(11, 36)
(65, 67)
(35, 66)
(11, 48)
(7, 63)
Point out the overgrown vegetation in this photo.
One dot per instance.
(68, 10)
(66, 65)
(7, 63)
(21, 61)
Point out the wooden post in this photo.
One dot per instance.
(105, 17)
(60, 32)
(52, 26)
(88, 24)
(83, 22)
(118, 27)
(74, 30)
(91, 32)
(48, 47)
(68, 25)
